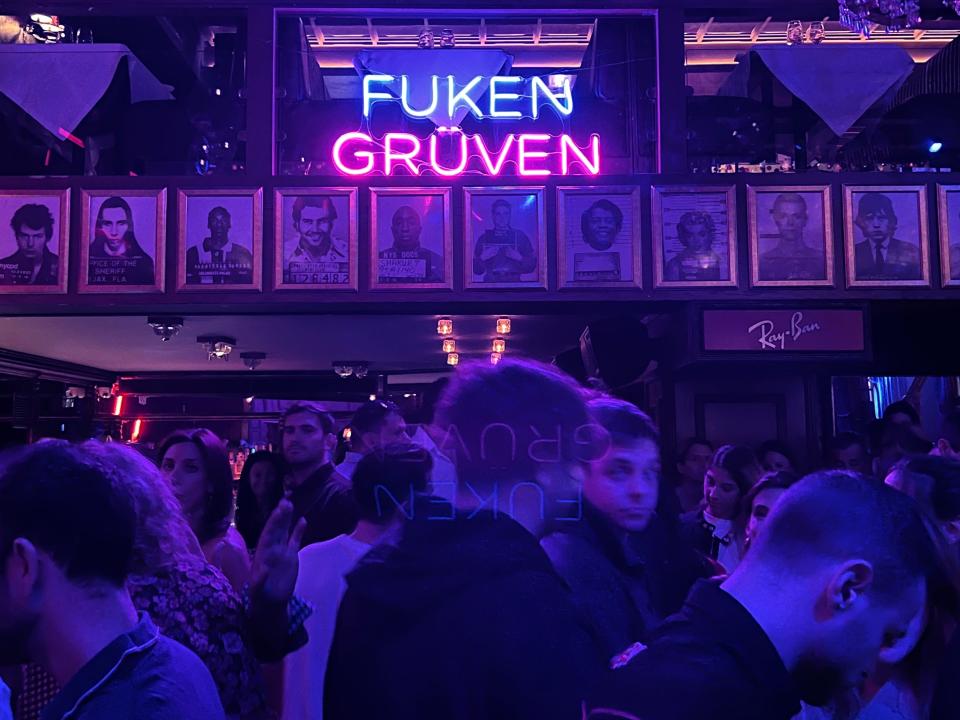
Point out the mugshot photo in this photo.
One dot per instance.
(694, 236)
(122, 246)
(34, 233)
(791, 236)
(886, 236)
(315, 236)
(599, 236)
(219, 239)
(949, 207)
(505, 237)
(411, 238)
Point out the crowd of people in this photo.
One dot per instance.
(524, 554)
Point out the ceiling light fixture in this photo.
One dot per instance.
(165, 327)
(449, 345)
(444, 326)
(499, 345)
(503, 326)
(253, 360)
(345, 368)
(453, 359)
(218, 347)
(495, 358)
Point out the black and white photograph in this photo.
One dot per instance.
(949, 206)
(791, 236)
(315, 237)
(886, 236)
(695, 236)
(598, 231)
(505, 237)
(123, 246)
(219, 239)
(34, 241)
(411, 238)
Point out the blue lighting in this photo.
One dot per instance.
(935, 146)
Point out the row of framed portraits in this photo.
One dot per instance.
(316, 234)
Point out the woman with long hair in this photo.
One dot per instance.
(718, 528)
(115, 239)
(258, 494)
(196, 464)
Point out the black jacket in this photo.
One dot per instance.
(140, 274)
(624, 587)
(461, 619)
(327, 505)
(22, 274)
(946, 693)
(711, 661)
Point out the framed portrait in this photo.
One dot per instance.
(598, 233)
(791, 236)
(411, 238)
(695, 236)
(315, 238)
(949, 207)
(122, 245)
(506, 238)
(34, 240)
(219, 239)
(886, 235)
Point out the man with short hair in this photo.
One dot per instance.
(375, 424)
(407, 261)
(309, 437)
(33, 263)
(880, 255)
(791, 258)
(503, 254)
(66, 547)
(848, 451)
(216, 260)
(462, 616)
(836, 582)
(320, 256)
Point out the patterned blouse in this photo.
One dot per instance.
(196, 606)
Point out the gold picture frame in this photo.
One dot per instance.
(949, 251)
(11, 273)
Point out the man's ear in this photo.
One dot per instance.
(897, 646)
(22, 568)
(849, 584)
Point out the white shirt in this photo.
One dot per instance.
(729, 553)
(321, 581)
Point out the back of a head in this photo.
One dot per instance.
(390, 476)
(64, 500)
(371, 416)
(834, 516)
(503, 422)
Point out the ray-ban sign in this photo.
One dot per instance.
(783, 330)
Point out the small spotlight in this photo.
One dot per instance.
(373, 398)
(453, 359)
(934, 147)
(495, 358)
(503, 326)
(249, 400)
(449, 345)
(499, 345)
(444, 326)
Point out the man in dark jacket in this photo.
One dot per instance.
(309, 436)
(462, 617)
(625, 562)
(836, 582)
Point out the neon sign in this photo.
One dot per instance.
(450, 152)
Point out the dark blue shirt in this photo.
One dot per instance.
(141, 675)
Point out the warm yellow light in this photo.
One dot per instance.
(449, 345)
(444, 326)
(453, 359)
(503, 326)
(347, 433)
(499, 345)
(495, 357)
